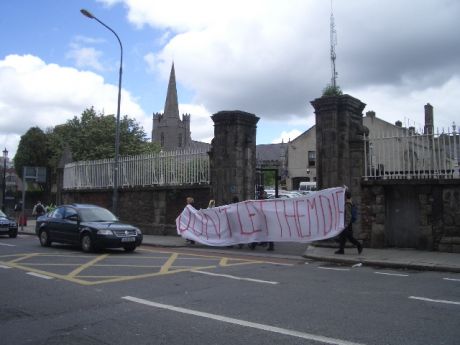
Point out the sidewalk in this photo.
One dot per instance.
(390, 258)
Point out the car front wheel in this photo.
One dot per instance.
(45, 238)
(13, 233)
(87, 243)
(129, 247)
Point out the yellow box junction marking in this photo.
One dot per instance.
(76, 275)
(165, 268)
(76, 271)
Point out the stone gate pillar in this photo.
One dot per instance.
(339, 142)
(233, 156)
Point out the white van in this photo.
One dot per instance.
(307, 187)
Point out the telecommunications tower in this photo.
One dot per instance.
(333, 34)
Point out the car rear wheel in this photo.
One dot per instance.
(129, 247)
(87, 243)
(45, 238)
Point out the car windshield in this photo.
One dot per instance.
(97, 214)
(2, 214)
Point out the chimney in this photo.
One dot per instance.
(398, 124)
(370, 114)
(429, 125)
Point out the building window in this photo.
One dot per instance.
(162, 139)
(180, 139)
(311, 158)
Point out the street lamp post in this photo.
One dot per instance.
(117, 130)
(5, 156)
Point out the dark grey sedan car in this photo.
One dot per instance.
(91, 226)
(8, 226)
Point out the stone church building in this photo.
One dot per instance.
(169, 130)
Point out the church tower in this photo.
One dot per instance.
(169, 130)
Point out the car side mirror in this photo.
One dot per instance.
(73, 217)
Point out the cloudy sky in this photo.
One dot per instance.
(266, 57)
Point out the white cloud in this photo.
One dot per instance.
(408, 107)
(150, 60)
(33, 93)
(85, 57)
(201, 124)
(271, 58)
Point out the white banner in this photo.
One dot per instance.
(316, 216)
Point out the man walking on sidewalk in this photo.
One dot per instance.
(38, 210)
(347, 233)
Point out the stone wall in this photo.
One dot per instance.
(416, 214)
(152, 209)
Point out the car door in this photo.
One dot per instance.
(70, 227)
(53, 224)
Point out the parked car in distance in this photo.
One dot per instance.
(8, 226)
(283, 194)
(93, 227)
(307, 187)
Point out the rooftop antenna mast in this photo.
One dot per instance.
(333, 34)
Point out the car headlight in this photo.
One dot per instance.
(138, 232)
(105, 232)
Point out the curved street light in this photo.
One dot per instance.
(117, 130)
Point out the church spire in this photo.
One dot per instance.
(171, 105)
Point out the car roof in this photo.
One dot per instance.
(81, 205)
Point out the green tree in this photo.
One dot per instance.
(32, 150)
(89, 137)
(92, 137)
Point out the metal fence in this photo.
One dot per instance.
(180, 167)
(406, 154)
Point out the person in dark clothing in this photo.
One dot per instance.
(271, 246)
(190, 201)
(38, 210)
(262, 194)
(347, 233)
(235, 200)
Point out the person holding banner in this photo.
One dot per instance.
(347, 233)
(189, 201)
(313, 217)
(262, 195)
(212, 203)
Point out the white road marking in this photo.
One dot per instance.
(237, 278)
(434, 300)
(393, 274)
(2, 266)
(7, 245)
(277, 263)
(308, 336)
(452, 279)
(334, 268)
(39, 275)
